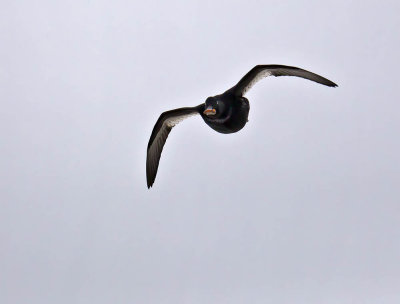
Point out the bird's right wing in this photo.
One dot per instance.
(261, 71)
(163, 126)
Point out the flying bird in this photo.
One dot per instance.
(225, 113)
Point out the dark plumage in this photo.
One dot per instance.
(225, 113)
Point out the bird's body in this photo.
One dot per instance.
(225, 113)
(234, 115)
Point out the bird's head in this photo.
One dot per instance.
(213, 107)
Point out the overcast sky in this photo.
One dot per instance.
(301, 206)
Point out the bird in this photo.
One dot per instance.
(225, 113)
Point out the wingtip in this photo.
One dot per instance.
(150, 183)
(332, 84)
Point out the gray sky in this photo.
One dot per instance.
(301, 206)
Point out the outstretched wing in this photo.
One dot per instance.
(163, 126)
(261, 71)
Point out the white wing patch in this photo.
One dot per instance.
(260, 75)
(168, 123)
(173, 121)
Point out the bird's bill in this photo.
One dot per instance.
(210, 111)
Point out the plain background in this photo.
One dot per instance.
(301, 206)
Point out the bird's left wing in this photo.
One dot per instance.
(163, 126)
(261, 71)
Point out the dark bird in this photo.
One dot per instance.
(225, 113)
